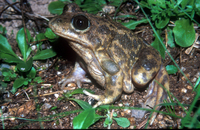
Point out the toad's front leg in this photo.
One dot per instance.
(113, 81)
(77, 76)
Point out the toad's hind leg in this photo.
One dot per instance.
(156, 94)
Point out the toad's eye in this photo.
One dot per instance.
(80, 22)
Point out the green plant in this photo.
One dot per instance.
(88, 116)
(181, 13)
(123, 122)
(56, 7)
(24, 65)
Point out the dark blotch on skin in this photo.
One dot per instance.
(144, 77)
(145, 42)
(119, 83)
(165, 80)
(135, 43)
(160, 73)
(59, 20)
(74, 8)
(103, 29)
(125, 41)
(119, 51)
(120, 89)
(136, 72)
(96, 41)
(153, 74)
(110, 92)
(71, 8)
(147, 64)
(112, 27)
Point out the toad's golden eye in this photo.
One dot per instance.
(80, 22)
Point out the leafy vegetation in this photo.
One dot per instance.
(24, 65)
(88, 116)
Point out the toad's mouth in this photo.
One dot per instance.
(70, 36)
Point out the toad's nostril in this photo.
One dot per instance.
(59, 20)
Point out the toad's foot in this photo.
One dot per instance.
(77, 76)
(112, 92)
(156, 94)
(102, 99)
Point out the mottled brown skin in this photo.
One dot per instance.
(116, 58)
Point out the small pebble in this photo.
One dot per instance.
(58, 73)
(184, 90)
(120, 104)
(132, 120)
(189, 87)
(160, 117)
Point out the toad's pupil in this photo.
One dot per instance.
(80, 22)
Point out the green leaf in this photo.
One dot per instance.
(38, 80)
(161, 23)
(184, 32)
(13, 90)
(108, 121)
(83, 104)
(170, 37)
(114, 114)
(44, 54)
(80, 91)
(54, 108)
(115, 3)
(184, 3)
(3, 30)
(104, 106)
(78, 2)
(50, 35)
(123, 122)
(28, 52)
(32, 73)
(56, 7)
(126, 16)
(171, 69)
(91, 9)
(197, 83)
(160, 3)
(25, 66)
(3, 86)
(132, 24)
(84, 119)
(8, 74)
(39, 37)
(5, 46)
(19, 82)
(197, 6)
(158, 45)
(21, 40)
(9, 58)
(92, 6)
